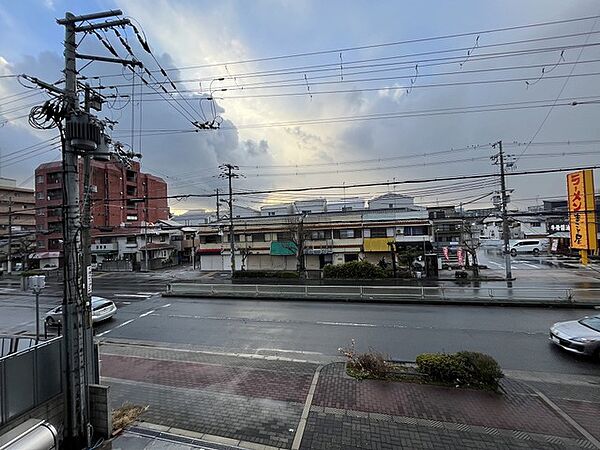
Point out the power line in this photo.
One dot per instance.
(373, 184)
(360, 64)
(381, 45)
(564, 85)
(508, 106)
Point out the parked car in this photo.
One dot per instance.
(102, 309)
(578, 336)
(534, 246)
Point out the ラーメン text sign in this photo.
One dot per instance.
(582, 205)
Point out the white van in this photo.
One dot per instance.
(534, 246)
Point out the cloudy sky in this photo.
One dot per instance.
(312, 93)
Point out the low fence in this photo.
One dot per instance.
(29, 378)
(440, 294)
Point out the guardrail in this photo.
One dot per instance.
(30, 377)
(391, 293)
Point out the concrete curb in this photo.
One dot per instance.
(409, 301)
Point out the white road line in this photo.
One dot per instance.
(127, 322)
(306, 410)
(531, 265)
(347, 324)
(149, 293)
(281, 350)
(166, 306)
(147, 313)
(131, 295)
(495, 263)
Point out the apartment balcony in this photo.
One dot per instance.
(104, 248)
(422, 238)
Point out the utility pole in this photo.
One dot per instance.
(9, 252)
(499, 159)
(218, 206)
(76, 353)
(228, 171)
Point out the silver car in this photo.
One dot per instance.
(578, 336)
(102, 309)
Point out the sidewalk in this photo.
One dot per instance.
(251, 402)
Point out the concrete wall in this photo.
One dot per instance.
(51, 410)
(100, 413)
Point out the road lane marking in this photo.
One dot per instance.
(531, 265)
(495, 263)
(347, 324)
(306, 410)
(127, 322)
(281, 350)
(132, 295)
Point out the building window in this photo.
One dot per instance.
(39, 195)
(271, 213)
(258, 237)
(54, 212)
(131, 240)
(132, 217)
(320, 235)
(55, 194)
(53, 178)
(390, 205)
(346, 208)
(163, 238)
(536, 224)
(378, 232)
(41, 244)
(415, 231)
(348, 257)
(41, 212)
(39, 179)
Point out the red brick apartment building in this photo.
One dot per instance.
(114, 188)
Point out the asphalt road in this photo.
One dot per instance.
(516, 337)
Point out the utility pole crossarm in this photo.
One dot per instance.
(125, 62)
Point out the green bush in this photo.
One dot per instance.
(264, 274)
(354, 270)
(481, 368)
(462, 368)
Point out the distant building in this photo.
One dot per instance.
(122, 197)
(392, 200)
(346, 204)
(21, 202)
(331, 237)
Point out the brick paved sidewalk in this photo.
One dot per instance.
(264, 401)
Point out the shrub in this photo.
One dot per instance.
(370, 364)
(462, 368)
(354, 270)
(482, 369)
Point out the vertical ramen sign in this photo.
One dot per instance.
(582, 210)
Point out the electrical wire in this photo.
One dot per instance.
(382, 45)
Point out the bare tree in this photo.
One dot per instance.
(471, 243)
(298, 235)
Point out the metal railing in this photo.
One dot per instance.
(30, 377)
(391, 293)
